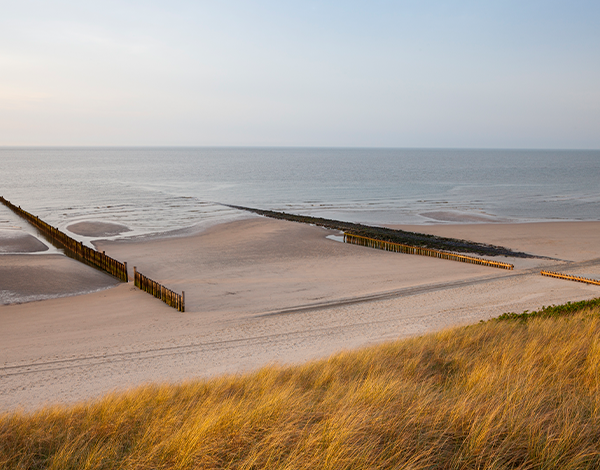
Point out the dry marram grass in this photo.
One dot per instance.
(501, 394)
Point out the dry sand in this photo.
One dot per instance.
(575, 241)
(261, 291)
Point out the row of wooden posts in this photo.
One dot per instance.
(171, 298)
(99, 259)
(177, 301)
(79, 251)
(570, 277)
(415, 250)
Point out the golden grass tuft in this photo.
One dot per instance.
(501, 394)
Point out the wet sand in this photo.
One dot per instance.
(260, 291)
(40, 277)
(18, 241)
(97, 229)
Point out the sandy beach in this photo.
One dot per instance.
(258, 291)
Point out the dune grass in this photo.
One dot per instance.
(500, 394)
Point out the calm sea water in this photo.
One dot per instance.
(155, 190)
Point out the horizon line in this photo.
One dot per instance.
(331, 147)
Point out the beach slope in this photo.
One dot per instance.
(260, 291)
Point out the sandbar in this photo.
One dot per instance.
(260, 291)
(97, 229)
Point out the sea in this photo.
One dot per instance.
(162, 191)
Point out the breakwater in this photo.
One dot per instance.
(72, 247)
(415, 250)
(401, 237)
(570, 277)
(171, 298)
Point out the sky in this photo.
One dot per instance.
(460, 74)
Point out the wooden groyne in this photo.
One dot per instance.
(402, 237)
(172, 299)
(73, 248)
(570, 277)
(415, 250)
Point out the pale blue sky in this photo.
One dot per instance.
(506, 74)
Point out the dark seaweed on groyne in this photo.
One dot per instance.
(421, 240)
